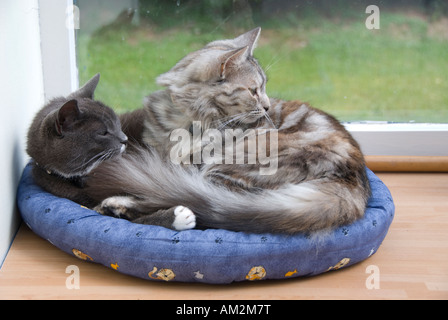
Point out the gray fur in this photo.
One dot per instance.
(212, 85)
(72, 137)
(320, 182)
(64, 124)
(154, 183)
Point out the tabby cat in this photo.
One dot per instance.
(70, 138)
(320, 183)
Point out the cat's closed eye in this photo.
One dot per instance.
(103, 133)
(253, 91)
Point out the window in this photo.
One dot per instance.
(380, 69)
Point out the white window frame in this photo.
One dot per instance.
(58, 47)
(375, 138)
(401, 139)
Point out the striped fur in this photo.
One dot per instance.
(220, 84)
(320, 182)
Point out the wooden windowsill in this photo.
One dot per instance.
(407, 164)
(412, 262)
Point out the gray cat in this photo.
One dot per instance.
(70, 138)
(320, 182)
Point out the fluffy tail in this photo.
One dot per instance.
(304, 207)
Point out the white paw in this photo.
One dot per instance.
(185, 218)
(115, 206)
(118, 202)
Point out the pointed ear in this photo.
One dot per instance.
(165, 79)
(232, 58)
(249, 39)
(67, 115)
(87, 90)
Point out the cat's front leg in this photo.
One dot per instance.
(118, 207)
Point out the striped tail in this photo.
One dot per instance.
(305, 207)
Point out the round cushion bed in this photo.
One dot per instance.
(210, 256)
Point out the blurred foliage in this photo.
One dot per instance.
(309, 52)
(170, 13)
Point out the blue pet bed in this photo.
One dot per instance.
(210, 256)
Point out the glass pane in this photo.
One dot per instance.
(387, 64)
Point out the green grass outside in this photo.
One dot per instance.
(398, 73)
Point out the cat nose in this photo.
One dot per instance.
(124, 142)
(123, 139)
(266, 103)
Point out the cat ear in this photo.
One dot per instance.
(67, 115)
(249, 39)
(232, 58)
(87, 90)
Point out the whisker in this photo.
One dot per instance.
(244, 117)
(228, 117)
(74, 159)
(95, 160)
(269, 119)
(272, 62)
(235, 118)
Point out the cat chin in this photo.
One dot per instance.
(72, 175)
(86, 171)
(252, 119)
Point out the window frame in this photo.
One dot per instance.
(58, 47)
(401, 139)
(375, 138)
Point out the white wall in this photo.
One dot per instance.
(21, 95)
(37, 63)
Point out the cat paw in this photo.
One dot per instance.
(115, 207)
(184, 218)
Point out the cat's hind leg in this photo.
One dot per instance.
(185, 218)
(176, 218)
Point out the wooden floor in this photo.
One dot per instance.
(412, 262)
